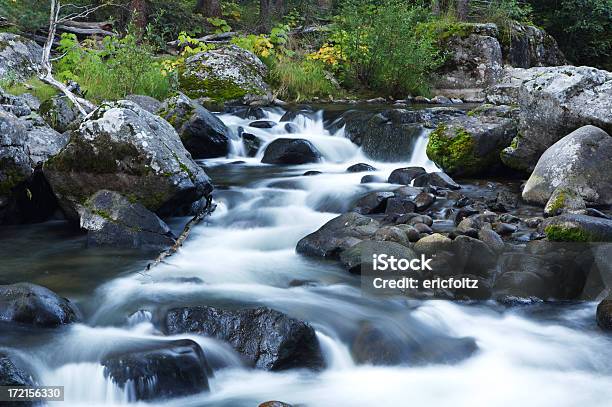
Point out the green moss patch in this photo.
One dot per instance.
(559, 233)
(455, 154)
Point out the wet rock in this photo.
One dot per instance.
(578, 164)
(267, 339)
(471, 145)
(274, 403)
(202, 133)
(433, 244)
(59, 113)
(408, 192)
(12, 375)
(252, 113)
(338, 235)
(404, 176)
(122, 148)
(423, 228)
(391, 234)
(366, 179)
(491, 239)
(294, 115)
(251, 143)
(373, 202)
(554, 102)
(604, 314)
(415, 218)
(224, 73)
(166, 370)
(577, 228)
(262, 124)
(378, 346)
(290, 151)
(311, 173)
(440, 100)
(411, 232)
(35, 305)
(399, 206)
(20, 58)
(147, 103)
(291, 128)
(361, 167)
(112, 220)
(505, 229)
(436, 179)
(424, 200)
(359, 257)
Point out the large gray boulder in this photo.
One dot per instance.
(112, 220)
(123, 148)
(471, 145)
(225, 73)
(577, 228)
(203, 134)
(554, 102)
(267, 339)
(36, 305)
(529, 46)
(579, 162)
(20, 58)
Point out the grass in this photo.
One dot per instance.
(34, 86)
(299, 80)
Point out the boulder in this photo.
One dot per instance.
(145, 102)
(110, 219)
(338, 235)
(274, 403)
(262, 124)
(436, 179)
(123, 148)
(12, 375)
(405, 176)
(162, 371)
(424, 200)
(563, 200)
(15, 164)
(267, 339)
(251, 143)
(399, 206)
(579, 162)
(577, 228)
(554, 102)
(20, 58)
(528, 46)
(225, 73)
(373, 202)
(59, 113)
(360, 167)
(203, 134)
(35, 305)
(468, 146)
(359, 257)
(604, 315)
(290, 151)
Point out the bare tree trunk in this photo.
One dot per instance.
(324, 4)
(138, 11)
(463, 9)
(47, 70)
(210, 8)
(435, 7)
(265, 23)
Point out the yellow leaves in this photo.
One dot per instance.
(328, 54)
(262, 46)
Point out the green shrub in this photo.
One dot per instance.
(119, 68)
(382, 49)
(300, 80)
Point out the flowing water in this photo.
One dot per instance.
(542, 355)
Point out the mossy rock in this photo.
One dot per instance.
(577, 228)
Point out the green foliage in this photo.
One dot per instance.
(266, 47)
(582, 28)
(33, 86)
(383, 51)
(220, 25)
(300, 79)
(25, 15)
(559, 233)
(113, 69)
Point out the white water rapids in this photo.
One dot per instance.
(553, 356)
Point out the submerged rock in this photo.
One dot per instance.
(20, 58)
(604, 314)
(579, 163)
(267, 339)
(225, 73)
(290, 151)
(360, 167)
(202, 133)
(122, 148)
(468, 146)
(166, 370)
(36, 305)
(112, 220)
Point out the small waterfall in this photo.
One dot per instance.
(336, 354)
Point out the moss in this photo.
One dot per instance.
(559, 233)
(217, 89)
(103, 214)
(11, 177)
(558, 203)
(34, 86)
(454, 154)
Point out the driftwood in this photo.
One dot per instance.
(203, 213)
(83, 105)
(298, 31)
(211, 38)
